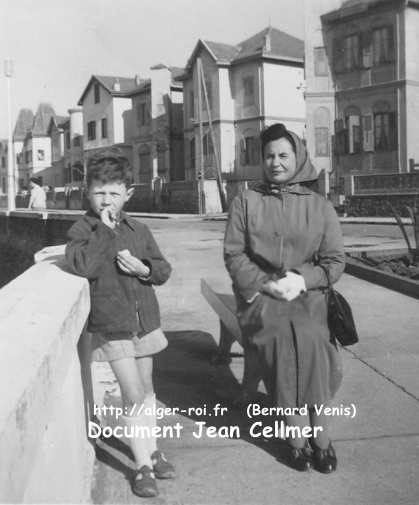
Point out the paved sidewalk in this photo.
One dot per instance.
(377, 449)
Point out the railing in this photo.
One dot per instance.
(44, 369)
(406, 183)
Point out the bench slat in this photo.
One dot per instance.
(224, 306)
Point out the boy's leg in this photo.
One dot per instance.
(162, 468)
(132, 392)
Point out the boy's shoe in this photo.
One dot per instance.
(161, 467)
(144, 483)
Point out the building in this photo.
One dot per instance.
(33, 145)
(3, 166)
(67, 159)
(23, 126)
(107, 113)
(158, 127)
(239, 90)
(363, 77)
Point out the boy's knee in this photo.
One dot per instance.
(133, 399)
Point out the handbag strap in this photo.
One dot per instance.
(325, 270)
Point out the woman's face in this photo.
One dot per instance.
(279, 161)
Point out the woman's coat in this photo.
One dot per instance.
(271, 230)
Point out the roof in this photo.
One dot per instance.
(354, 7)
(24, 123)
(60, 122)
(268, 43)
(128, 86)
(272, 42)
(42, 119)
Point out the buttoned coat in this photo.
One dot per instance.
(270, 231)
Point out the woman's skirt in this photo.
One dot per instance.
(300, 365)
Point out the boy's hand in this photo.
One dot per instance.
(108, 217)
(131, 265)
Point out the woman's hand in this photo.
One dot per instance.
(287, 288)
(132, 265)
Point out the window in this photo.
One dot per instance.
(67, 140)
(207, 146)
(97, 92)
(91, 130)
(385, 131)
(28, 156)
(351, 52)
(321, 134)
(3, 162)
(104, 127)
(143, 114)
(250, 151)
(249, 91)
(367, 133)
(146, 169)
(320, 61)
(383, 45)
(192, 153)
(338, 56)
(161, 160)
(77, 141)
(40, 155)
(353, 126)
(191, 104)
(208, 86)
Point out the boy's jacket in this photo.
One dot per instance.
(119, 302)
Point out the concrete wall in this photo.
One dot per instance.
(46, 456)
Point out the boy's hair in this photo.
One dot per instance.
(275, 132)
(109, 166)
(36, 180)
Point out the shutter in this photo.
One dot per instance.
(367, 133)
(338, 59)
(391, 44)
(393, 130)
(242, 152)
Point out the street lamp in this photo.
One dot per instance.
(8, 72)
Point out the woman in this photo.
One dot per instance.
(277, 236)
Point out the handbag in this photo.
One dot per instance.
(339, 316)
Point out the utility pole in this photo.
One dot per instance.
(218, 174)
(11, 188)
(201, 174)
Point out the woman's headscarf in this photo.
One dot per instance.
(305, 173)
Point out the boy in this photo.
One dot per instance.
(121, 260)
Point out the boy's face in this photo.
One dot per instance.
(112, 195)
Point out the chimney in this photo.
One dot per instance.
(117, 85)
(137, 80)
(267, 42)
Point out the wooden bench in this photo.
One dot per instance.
(224, 305)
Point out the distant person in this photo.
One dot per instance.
(279, 235)
(38, 198)
(121, 260)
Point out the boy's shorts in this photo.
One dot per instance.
(127, 345)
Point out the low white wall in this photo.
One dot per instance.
(46, 385)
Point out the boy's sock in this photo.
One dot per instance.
(151, 421)
(139, 444)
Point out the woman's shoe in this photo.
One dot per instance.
(144, 483)
(161, 467)
(300, 458)
(325, 459)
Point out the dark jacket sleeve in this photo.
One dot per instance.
(88, 248)
(331, 253)
(247, 276)
(159, 266)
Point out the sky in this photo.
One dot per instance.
(56, 45)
